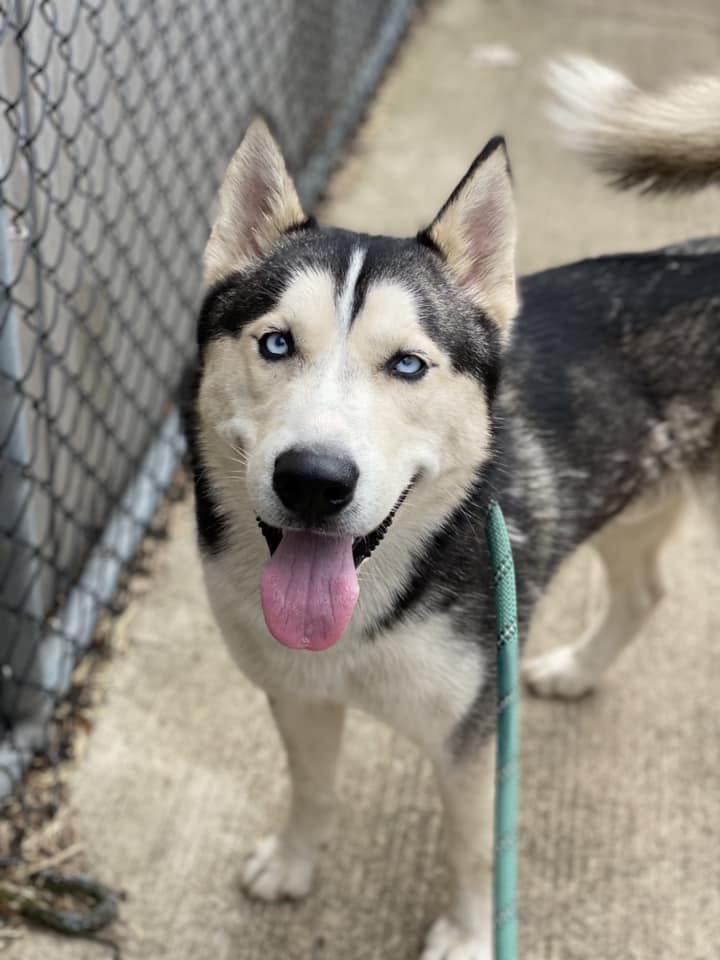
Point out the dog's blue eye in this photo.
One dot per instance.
(276, 346)
(408, 365)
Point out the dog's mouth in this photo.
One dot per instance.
(309, 588)
(362, 547)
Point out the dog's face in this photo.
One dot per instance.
(343, 374)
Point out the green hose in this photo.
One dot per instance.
(508, 755)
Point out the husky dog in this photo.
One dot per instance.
(348, 427)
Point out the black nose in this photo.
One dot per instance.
(314, 484)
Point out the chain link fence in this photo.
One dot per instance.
(117, 118)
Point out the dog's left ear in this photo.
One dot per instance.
(257, 204)
(476, 233)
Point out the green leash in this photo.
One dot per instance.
(508, 737)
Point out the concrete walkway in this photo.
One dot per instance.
(621, 817)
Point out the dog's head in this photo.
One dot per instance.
(343, 374)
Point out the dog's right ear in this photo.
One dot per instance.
(257, 204)
(475, 233)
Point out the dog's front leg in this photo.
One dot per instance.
(467, 784)
(283, 865)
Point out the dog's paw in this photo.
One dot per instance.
(559, 673)
(273, 873)
(446, 941)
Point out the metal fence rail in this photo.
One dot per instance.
(117, 118)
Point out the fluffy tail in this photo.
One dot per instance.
(668, 140)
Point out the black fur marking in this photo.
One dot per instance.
(309, 223)
(462, 331)
(212, 525)
(422, 585)
(272, 535)
(243, 297)
(238, 300)
(425, 240)
(472, 342)
(363, 547)
(452, 568)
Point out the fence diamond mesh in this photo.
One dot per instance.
(117, 118)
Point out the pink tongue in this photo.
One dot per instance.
(309, 590)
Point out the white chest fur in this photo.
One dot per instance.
(420, 677)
